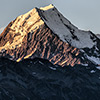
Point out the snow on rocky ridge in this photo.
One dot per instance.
(47, 23)
(69, 33)
(64, 29)
(98, 35)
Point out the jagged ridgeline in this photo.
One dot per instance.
(45, 33)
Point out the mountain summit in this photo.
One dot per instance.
(45, 33)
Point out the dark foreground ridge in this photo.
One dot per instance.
(38, 79)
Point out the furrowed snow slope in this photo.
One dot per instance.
(46, 33)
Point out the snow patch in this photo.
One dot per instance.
(1, 29)
(93, 71)
(94, 59)
(47, 7)
(52, 68)
(41, 63)
(98, 67)
(84, 64)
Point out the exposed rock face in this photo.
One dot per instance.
(32, 35)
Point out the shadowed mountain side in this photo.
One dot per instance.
(38, 79)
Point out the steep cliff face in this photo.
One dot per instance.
(45, 33)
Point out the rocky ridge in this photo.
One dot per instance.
(45, 33)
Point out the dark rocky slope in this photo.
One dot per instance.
(38, 79)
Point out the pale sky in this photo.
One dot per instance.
(85, 14)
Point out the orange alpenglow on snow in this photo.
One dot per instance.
(32, 35)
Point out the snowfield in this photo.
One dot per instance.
(65, 30)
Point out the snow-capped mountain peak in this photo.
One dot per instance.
(47, 7)
(65, 29)
(45, 33)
